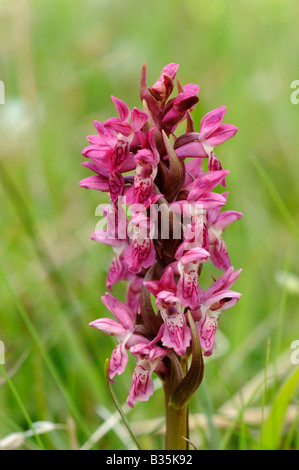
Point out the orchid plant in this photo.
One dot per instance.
(163, 222)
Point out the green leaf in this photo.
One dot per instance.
(194, 376)
(176, 170)
(176, 374)
(271, 432)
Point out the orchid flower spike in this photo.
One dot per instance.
(166, 226)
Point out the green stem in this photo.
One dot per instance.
(176, 422)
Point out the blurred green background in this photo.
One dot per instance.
(60, 62)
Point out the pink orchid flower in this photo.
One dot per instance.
(138, 159)
(212, 133)
(217, 222)
(188, 266)
(146, 171)
(163, 87)
(116, 232)
(148, 359)
(174, 332)
(141, 252)
(113, 183)
(213, 301)
(201, 189)
(176, 109)
(193, 171)
(111, 146)
(133, 296)
(122, 329)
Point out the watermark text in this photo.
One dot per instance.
(295, 354)
(295, 95)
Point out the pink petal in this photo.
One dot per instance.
(153, 287)
(209, 200)
(170, 70)
(226, 218)
(111, 327)
(148, 358)
(116, 185)
(206, 330)
(172, 116)
(195, 236)
(223, 300)
(128, 164)
(157, 353)
(95, 151)
(133, 293)
(97, 140)
(167, 280)
(119, 156)
(176, 333)
(119, 126)
(219, 255)
(141, 348)
(120, 310)
(213, 213)
(187, 289)
(107, 136)
(191, 150)
(117, 271)
(146, 156)
(122, 108)
(191, 89)
(103, 236)
(207, 182)
(194, 255)
(215, 165)
(142, 383)
(221, 135)
(193, 171)
(166, 283)
(187, 99)
(118, 361)
(135, 340)
(224, 282)
(164, 85)
(152, 142)
(211, 121)
(166, 297)
(98, 182)
(140, 254)
(139, 118)
(96, 167)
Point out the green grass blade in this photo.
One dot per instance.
(48, 361)
(21, 405)
(117, 405)
(277, 199)
(273, 426)
(265, 393)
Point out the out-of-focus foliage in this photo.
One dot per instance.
(60, 62)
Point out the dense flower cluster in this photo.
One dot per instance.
(163, 222)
